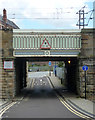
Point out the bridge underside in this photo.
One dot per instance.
(48, 53)
(46, 58)
(21, 72)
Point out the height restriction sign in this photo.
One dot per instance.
(45, 45)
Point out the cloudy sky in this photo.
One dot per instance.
(46, 14)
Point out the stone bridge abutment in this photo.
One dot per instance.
(13, 79)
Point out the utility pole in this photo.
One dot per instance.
(81, 21)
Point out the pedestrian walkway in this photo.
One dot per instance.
(75, 101)
(3, 103)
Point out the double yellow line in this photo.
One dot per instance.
(2, 111)
(68, 106)
(72, 109)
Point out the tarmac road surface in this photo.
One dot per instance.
(40, 101)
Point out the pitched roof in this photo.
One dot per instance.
(10, 23)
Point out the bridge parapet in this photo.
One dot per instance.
(28, 40)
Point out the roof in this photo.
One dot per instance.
(10, 23)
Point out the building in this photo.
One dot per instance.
(6, 23)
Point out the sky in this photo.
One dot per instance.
(47, 14)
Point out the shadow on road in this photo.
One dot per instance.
(38, 93)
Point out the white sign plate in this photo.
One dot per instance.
(8, 64)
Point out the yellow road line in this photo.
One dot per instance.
(6, 108)
(71, 109)
(49, 82)
(68, 106)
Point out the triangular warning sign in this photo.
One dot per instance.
(45, 45)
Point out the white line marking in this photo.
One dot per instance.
(18, 102)
(41, 80)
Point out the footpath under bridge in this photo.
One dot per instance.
(50, 43)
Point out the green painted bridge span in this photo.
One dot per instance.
(46, 42)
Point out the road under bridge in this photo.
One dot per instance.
(20, 46)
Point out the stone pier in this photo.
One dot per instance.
(7, 76)
(86, 57)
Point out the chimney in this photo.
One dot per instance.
(4, 15)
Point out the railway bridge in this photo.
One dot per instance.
(20, 45)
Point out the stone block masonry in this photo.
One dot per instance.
(1, 64)
(86, 57)
(7, 83)
(7, 75)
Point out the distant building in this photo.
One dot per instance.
(41, 63)
(5, 23)
(94, 14)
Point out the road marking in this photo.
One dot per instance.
(33, 83)
(71, 109)
(41, 80)
(49, 82)
(68, 106)
(6, 108)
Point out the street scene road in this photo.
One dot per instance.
(40, 100)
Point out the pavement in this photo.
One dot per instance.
(81, 104)
(2, 102)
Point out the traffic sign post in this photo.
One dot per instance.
(50, 68)
(85, 84)
(85, 68)
(55, 69)
(49, 63)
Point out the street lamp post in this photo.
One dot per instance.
(85, 68)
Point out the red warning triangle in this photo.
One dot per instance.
(45, 45)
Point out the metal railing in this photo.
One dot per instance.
(55, 41)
